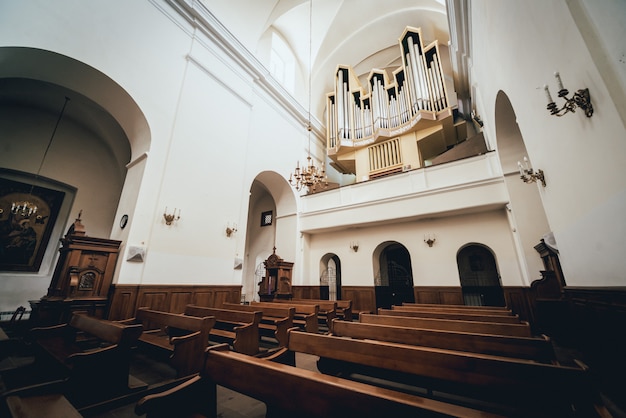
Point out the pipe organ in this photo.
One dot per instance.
(358, 117)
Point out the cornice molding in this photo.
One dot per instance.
(200, 18)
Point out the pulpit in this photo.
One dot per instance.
(276, 282)
(81, 279)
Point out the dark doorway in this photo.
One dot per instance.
(480, 281)
(396, 278)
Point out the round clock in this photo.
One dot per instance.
(123, 221)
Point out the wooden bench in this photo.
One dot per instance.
(460, 308)
(327, 312)
(238, 328)
(423, 313)
(531, 348)
(275, 321)
(94, 355)
(305, 317)
(184, 337)
(515, 330)
(513, 387)
(343, 307)
(290, 392)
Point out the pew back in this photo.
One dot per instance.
(275, 320)
(186, 337)
(305, 316)
(538, 349)
(425, 313)
(292, 392)
(239, 328)
(516, 330)
(505, 385)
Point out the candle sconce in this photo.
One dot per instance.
(169, 218)
(230, 230)
(528, 175)
(580, 99)
(354, 246)
(430, 239)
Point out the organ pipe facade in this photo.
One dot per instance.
(415, 98)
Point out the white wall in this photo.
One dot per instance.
(432, 266)
(516, 47)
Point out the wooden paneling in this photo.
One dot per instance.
(363, 297)
(445, 295)
(306, 292)
(125, 299)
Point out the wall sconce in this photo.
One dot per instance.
(230, 230)
(430, 239)
(354, 246)
(169, 218)
(528, 175)
(580, 99)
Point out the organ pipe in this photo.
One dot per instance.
(417, 86)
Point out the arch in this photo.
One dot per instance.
(100, 115)
(269, 193)
(479, 276)
(527, 215)
(393, 274)
(94, 86)
(330, 277)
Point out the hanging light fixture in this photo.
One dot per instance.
(26, 208)
(309, 175)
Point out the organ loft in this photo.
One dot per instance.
(400, 123)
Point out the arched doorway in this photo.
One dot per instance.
(330, 277)
(394, 279)
(480, 281)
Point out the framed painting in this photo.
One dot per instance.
(27, 217)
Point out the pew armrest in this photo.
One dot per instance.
(194, 397)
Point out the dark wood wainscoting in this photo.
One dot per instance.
(306, 292)
(125, 299)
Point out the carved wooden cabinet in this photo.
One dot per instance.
(81, 279)
(277, 280)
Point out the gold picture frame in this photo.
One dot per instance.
(24, 237)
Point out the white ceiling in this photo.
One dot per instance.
(360, 33)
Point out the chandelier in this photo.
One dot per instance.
(309, 175)
(25, 208)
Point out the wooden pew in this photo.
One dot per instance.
(399, 311)
(326, 313)
(238, 328)
(468, 310)
(460, 308)
(184, 337)
(513, 387)
(275, 320)
(514, 330)
(343, 308)
(290, 392)
(305, 317)
(531, 348)
(92, 357)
